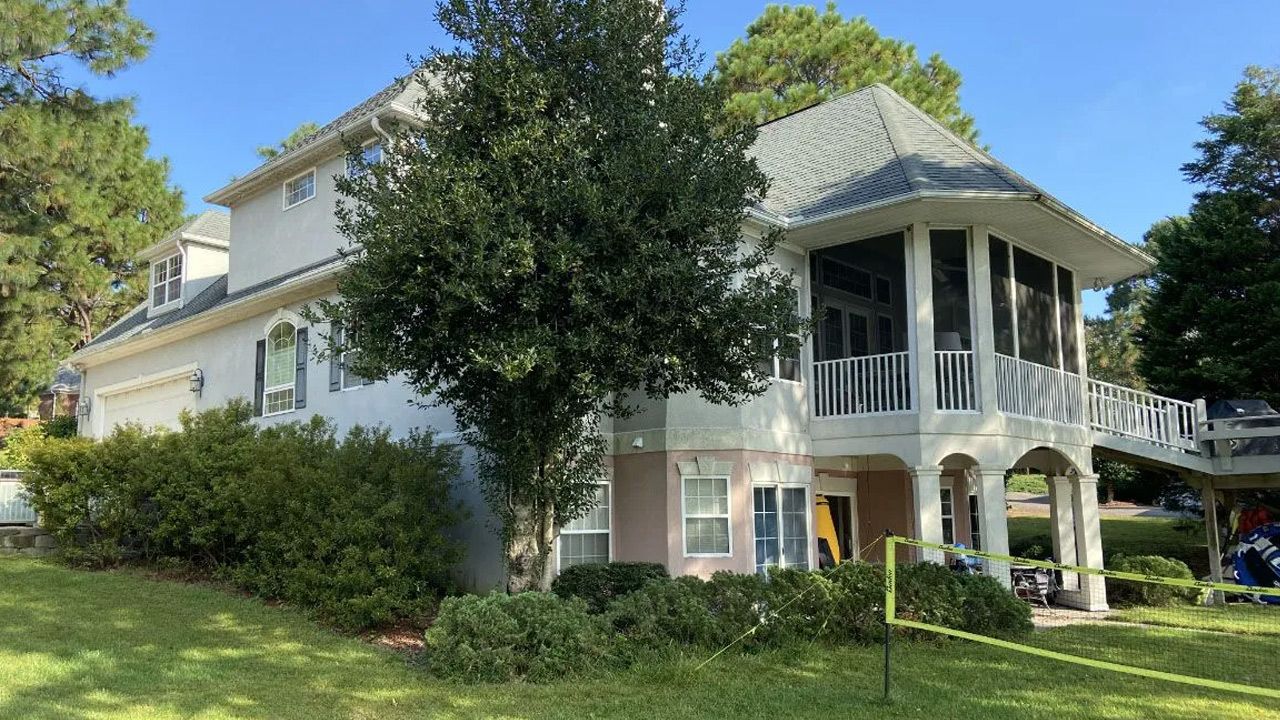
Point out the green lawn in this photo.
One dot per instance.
(1238, 619)
(111, 646)
(1127, 535)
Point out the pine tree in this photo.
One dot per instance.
(794, 57)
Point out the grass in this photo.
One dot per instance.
(1027, 484)
(1166, 537)
(1238, 619)
(110, 646)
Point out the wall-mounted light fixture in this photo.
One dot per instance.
(1097, 283)
(195, 383)
(82, 408)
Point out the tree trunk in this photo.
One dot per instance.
(1111, 494)
(530, 539)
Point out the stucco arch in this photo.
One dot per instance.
(1051, 461)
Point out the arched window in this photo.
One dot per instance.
(280, 371)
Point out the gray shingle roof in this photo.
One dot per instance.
(210, 298)
(866, 147)
(210, 223)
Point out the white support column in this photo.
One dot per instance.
(926, 502)
(1062, 527)
(1084, 504)
(922, 356)
(984, 320)
(995, 523)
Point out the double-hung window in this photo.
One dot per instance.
(786, 367)
(370, 154)
(300, 189)
(166, 280)
(280, 370)
(347, 377)
(706, 516)
(586, 539)
(780, 516)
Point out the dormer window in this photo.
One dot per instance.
(370, 154)
(300, 189)
(166, 280)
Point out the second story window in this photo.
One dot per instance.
(166, 280)
(300, 189)
(370, 154)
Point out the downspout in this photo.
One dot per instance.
(377, 127)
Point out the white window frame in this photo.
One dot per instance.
(685, 516)
(808, 521)
(947, 485)
(975, 521)
(352, 170)
(347, 347)
(609, 532)
(293, 377)
(164, 262)
(284, 188)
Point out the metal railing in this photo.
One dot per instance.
(869, 385)
(14, 508)
(1143, 416)
(955, 380)
(1038, 391)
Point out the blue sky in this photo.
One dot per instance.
(1098, 102)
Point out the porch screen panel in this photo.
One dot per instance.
(1037, 319)
(1067, 314)
(950, 258)
(1001, 296)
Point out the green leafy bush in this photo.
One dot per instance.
(601, 583)
(664, 613)
(858, 602)
(988, 608)
(1126, 592)
(929, 593)
(354, 528)
(528, 636)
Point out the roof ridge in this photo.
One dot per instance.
(988, 161)
(907, 160)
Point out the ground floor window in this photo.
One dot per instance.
(948, 517)
(975, 528)
(706, 516)
(781, 523)
(586, 539)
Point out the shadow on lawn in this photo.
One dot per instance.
(94, 645)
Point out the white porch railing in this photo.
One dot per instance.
(955, 378)
(13, 504)
(869, 385)
(1142, 416)
(1037, 391)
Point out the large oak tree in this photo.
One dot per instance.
(561, 233)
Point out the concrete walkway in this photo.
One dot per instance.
(1038, 505)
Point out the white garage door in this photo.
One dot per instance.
(153, 405)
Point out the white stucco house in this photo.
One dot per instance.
(949, 349)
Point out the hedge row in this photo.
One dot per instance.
(539, 636)
(354, 528)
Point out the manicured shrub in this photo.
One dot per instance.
(990, 609)
(1125, 592)
(529, 636)
(665, 613)
(858, 606)
(929, 593)
(354, 528)
(599, 584)
(802, 606)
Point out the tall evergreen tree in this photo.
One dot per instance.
(78, 195)
(1212, 325)
(795, 56)
(562, 233)
(1111, 340)
(300, 133)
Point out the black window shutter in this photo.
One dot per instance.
(335, 359)
(259, 377)
(300, 378)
